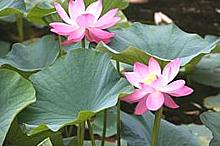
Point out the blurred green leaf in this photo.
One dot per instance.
(9, 7)
(8, 18)
(166, 42)
(201, 132)
(38, 9)
(213, 102)
(4, 48)
(212, 121)
(17, 137)
(16, 93)
(207, 71)
(110, 4)
(32, 55)
(72, 90)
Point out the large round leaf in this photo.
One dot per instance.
(207, 71)
(9, 7)
(212, 121)
(16, 93)
(165, 42)
(32, 55)
(74, 89)
(137, 131)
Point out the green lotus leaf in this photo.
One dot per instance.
(136, 130)
(76, 87)
(17, 137)
(16, 93)
(213, 102)
(165, 42)
(201, 132)
(212, 121)
(9, 7)
(32, 55)
(214, 39)
(4, 48)
(207, 71)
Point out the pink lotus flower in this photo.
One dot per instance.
(84, 22)
(153, 86)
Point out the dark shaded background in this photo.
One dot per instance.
(199, 16)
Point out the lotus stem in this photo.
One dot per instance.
(83, 43)
(20, 29)
(118, 111)
(80, 133)
(91, 133)
(60, 45)
(156, 127)
(118, 67)
(118, 124)
(104, 127)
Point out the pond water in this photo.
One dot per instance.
(199, 16)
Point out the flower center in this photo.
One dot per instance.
(150, 78)
(85, 20)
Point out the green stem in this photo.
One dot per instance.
(104, 127)
(66, 131)
(20, 29)
(91, 133)
(118, 111)
(70, 131)
(80, 133)
(60, 45)
(83, 43)
(118, 67)
(156, 127)
(118, 124)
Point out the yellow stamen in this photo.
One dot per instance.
(150, 78)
